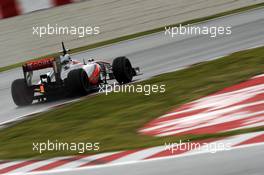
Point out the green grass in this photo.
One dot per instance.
(113, 120)
(139, 34)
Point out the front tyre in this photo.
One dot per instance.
(77, 82)
(122, 70)
(22, 94)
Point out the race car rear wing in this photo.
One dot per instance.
(44, 63)
(38, 64)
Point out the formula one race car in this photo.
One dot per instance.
(68, 77)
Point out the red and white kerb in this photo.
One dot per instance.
(10, 8)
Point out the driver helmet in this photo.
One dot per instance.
(65, 59)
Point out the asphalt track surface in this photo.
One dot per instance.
(241, 161)
(156, 54)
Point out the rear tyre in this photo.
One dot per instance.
(77, 82)
(122, 70)
(22, 94)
